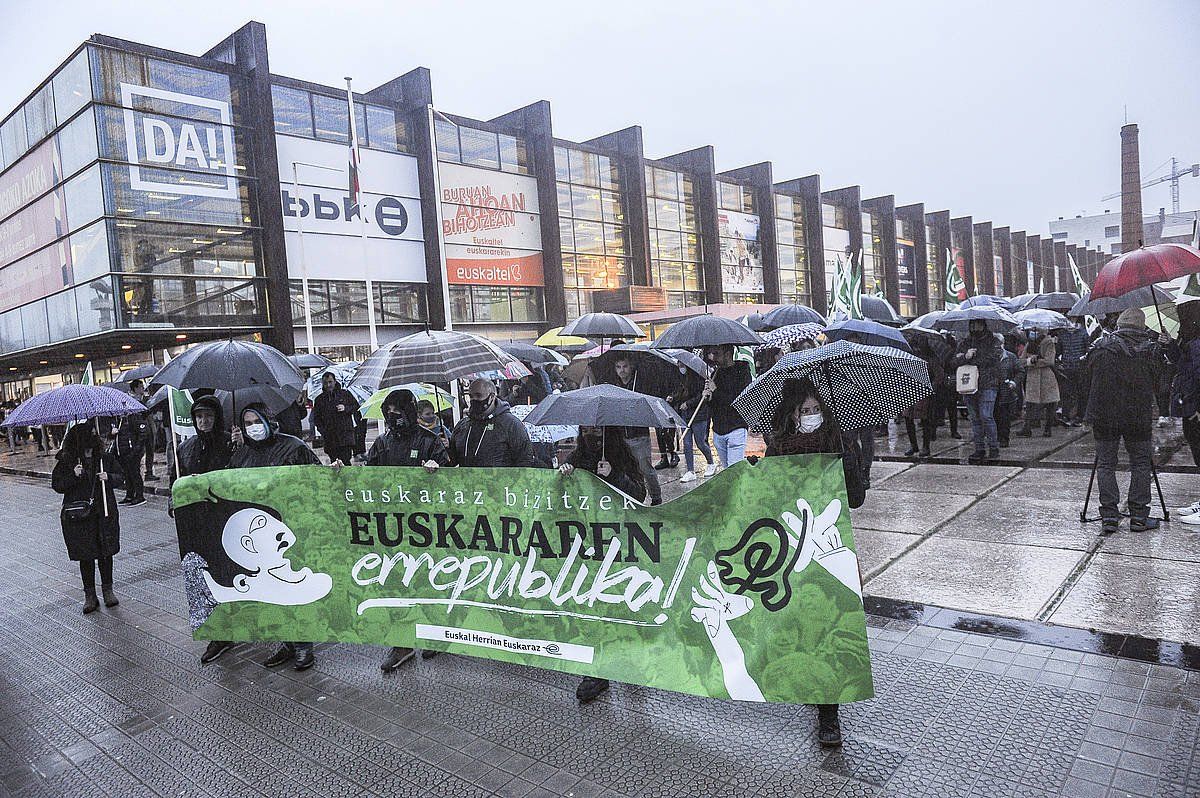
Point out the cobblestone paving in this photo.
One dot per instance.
(116, 703)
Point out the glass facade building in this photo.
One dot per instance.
(791, 246)
(593, 226)
(676, 262)
(738, 236)
(934, 277)
(835, 229)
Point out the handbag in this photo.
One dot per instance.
(79, 511)
(966, 379)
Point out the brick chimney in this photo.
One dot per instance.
(1131, 189)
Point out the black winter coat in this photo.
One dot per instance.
(624, 480)
(202, 453)
(987, 358)
(1123, 370)
(336, 428)
(500, 439)
(730, 382)
(291, 420)
(410, 446)
(99, 535)
(278, 450)
(132, 433)
(828, 442)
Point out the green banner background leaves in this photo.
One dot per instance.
(741, 531)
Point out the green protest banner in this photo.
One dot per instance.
(746, 587)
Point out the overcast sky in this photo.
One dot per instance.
(1008, 112)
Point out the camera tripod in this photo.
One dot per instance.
(1162, 503)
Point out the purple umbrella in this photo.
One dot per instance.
(73, 403)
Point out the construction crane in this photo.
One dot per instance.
(1172, 177)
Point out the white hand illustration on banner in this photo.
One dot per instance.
(822, 543)
(714, 608)
(258, 544)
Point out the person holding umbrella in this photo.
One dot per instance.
(687, 402)
(1041, 382)
(333, 416)
(727, 379)
(981, 349)
(637, 438)
(85, 472)
(490, 435)
(259, 445)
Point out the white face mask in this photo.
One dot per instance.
(811, 423)
(256, 432)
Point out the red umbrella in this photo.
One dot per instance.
(1145, 266)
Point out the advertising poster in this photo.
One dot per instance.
(760, 602)
(906, 258)
(491, 226)
(741, 254)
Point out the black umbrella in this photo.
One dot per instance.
(689, 360)
(310, 360)
(1142, 297)
(868, 332)
(785, 315)
(276, 400)
(879, 309)
(995, 317)
(706, 330)
(862, 385)
(604, 406)
(1061, 301)
(230, 365)
(436, 356)
(532, 354)
(143, 372)
(603, 325)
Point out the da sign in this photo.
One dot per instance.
(156, 142)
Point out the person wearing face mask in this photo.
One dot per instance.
(1041, 383)
(490, 435)
(428, 418)
(85, 472)
(602, 451)
(333, 416)
(405, 443)
(260, 446)
(638, 438)
(208, 450)
(805, 425)
(980, 348)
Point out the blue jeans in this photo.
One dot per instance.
(697, 434)
(981, 407)
(731, 448)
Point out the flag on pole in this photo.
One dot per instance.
(1081, 288)
(88, 378)
(355, 184)
(847, 288)
(956, 284)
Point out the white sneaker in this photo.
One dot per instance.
(1192, 520)
(712, 470)
(688, 476)
(1191, 509)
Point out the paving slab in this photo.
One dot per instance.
(884, 470)
(940, 478)
(875, 547)
(1006, 518)
(898, 511)
(1150, 597)
(997, 578)
(1171, 541)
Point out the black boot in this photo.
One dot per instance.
(305, 658)
(829, 730)
(662, 464)
(90, 602)
(110, 598)
(214, 650)
(283, 654)
(395, 658)
(590, 689)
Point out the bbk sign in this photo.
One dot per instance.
(334, 211)
(155, 142)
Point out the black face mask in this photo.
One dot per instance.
(396, 420)
(478, 408)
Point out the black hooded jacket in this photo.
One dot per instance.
(336, 426)
(406, 443)
(1123, 370)
(204, 452)
(497, 439)
(279, 449)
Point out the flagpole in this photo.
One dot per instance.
(447, 319)
(362, 215)
(308, 330)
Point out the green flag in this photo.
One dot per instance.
(956, 287)
(746, 587)
(847, 288)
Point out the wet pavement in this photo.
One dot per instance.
(116, 703)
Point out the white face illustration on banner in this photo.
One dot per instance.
(259, 543)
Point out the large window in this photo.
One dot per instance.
(906, 259)
(738, 237)
(934, 275)
(483, 304)
(475, 147)
(345, 302)
(791, 250)
(325, 117)
(593, 224)
(836, 235)
(676, 262)
(872, 254)
(191, 301)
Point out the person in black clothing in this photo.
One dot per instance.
(258, 445)
(668, 437)
(208, 450)
(947, 396)
(980, 348)
(333, 416)
(85, 473)
(152, 431)
(686, 399)
(490, 435)
(529, 390)
(604, 452)
(131, 448)
(291, 418)
(927, 409)
(405, 443)
(727, 378)
(638, 438)
(1009, 396)
(805, 425)
(1123, 370)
